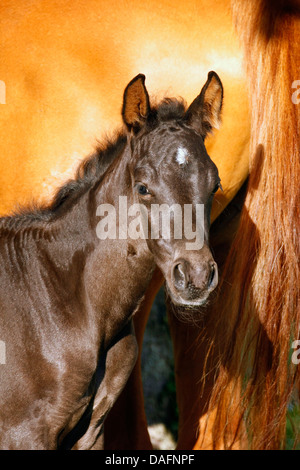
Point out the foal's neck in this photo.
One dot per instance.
(116, 184)
(116, 180)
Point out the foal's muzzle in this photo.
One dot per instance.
(193, 281)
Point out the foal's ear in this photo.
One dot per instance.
(204, 114)
(136, 105)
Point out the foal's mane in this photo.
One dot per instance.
(90, 170)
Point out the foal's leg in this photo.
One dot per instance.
(126, 424)
(120, 360)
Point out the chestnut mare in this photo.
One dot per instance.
(68, 298)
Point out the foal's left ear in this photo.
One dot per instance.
(136, 105)
(204, 114)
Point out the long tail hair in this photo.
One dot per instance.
(259, 314)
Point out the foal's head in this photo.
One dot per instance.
(170, 166)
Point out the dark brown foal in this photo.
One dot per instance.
(73, 274)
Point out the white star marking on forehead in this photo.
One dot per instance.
(182, 156)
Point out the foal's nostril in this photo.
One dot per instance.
(179, 276)
(213, 275)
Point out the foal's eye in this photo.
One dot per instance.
(218, 186)
(142, 190)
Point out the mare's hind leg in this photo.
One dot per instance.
(120, 360)
(195, 361)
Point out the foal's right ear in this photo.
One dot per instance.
(136, 106)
